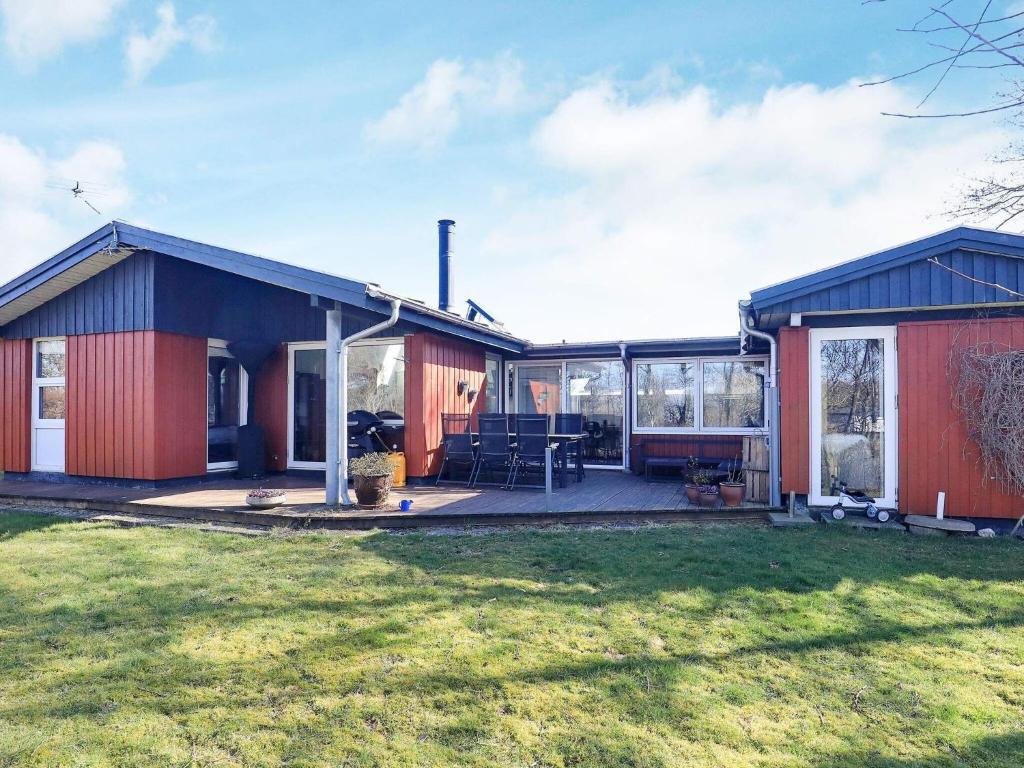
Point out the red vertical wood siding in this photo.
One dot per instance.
(934, 452)
(644, 444)
(15, 405)
(271, 408)
(136, 405)
(179, 407)
(434, 366)
(795, 395)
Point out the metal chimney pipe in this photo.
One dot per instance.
(445, 252)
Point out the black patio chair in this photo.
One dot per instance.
(571, 424)
(496, 451)
(532, 438)
(458, 443)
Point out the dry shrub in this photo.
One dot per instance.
(988, 392)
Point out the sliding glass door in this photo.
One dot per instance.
(853, 413)
(593, 388)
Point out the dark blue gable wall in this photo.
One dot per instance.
(196, 300)
(917, 284)
(149, 291)
(118, 299)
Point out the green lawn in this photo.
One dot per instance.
(682, 646)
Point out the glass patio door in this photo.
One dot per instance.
(594, 388)
(597, 390)
(853, 413)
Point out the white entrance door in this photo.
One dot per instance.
(853, 413)
(49, 406)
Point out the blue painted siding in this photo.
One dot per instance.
(195, 300)
(917, 284)
(118, 299)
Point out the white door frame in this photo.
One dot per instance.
(39, 423)
(887, 333)
(563, 395)
(243, 400)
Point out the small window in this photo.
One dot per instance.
(51, 402)
(492, 385)
(50, 359)
(733, 395)
(665, 395)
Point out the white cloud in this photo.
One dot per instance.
(144, 52)
(431, 110)
(681, 205)
(35, 30)
(38, 213)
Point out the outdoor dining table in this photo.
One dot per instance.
(563, 441)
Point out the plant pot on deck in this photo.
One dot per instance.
(265, 499)
(372, 492)
(708, 495)
(692, 493)
(732, 493)
(372, 477)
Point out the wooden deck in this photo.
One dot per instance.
(604, 496)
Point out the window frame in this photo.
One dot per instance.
(290, 462)
(698, 427)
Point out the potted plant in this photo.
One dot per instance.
(733, 487)
(690, 483)
(707, 488)
(265, 498)
(371, 476)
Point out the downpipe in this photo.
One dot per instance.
(341, 471)
(771, 404)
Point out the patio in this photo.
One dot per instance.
(605, 496)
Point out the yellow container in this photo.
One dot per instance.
(397, 469)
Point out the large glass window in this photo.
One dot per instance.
(733, 394)
(665, 395)
(376, 383)
(376, 379)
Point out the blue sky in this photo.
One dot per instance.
(616, 170)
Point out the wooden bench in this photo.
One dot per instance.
(702, 457)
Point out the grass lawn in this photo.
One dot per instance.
(681, 646)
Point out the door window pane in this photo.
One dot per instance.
(223, 407)
(540, 389)
(852, 415)
(733, 394)
(309, 439)
(51, 403)
(664, 395)
(492, 386)
(50, 359)
(596, 389)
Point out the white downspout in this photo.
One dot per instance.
(337, 417)
(771, 404)
(627, 414)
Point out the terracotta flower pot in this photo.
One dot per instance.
(372, 492)
(732, 493)
(692, 493)
(709, 498)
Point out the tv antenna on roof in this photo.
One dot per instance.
(79, 190)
